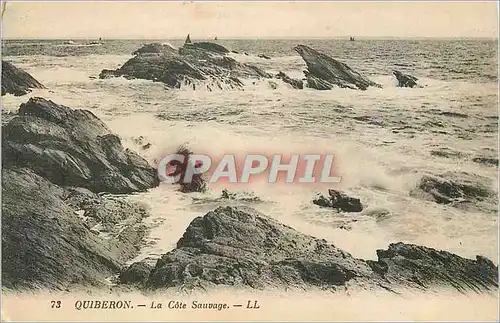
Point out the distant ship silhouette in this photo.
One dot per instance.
(188, 40)
(351, 38)
(215, 38)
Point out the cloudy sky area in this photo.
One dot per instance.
(167, 20)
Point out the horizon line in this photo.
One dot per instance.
(253, 38)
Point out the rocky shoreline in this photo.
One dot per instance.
(66, 222)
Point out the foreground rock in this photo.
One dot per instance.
(405, 80)
(194, 65)
(46, 244)
(455, 188)
(238, 246)
(73, 148)
(57, 232)
(340, 201)
(16, 81)
(329, 72)
(155, 48)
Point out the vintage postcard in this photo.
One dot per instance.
(249, 161)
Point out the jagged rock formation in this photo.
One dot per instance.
(16, 81)
(455, 188)
(239, 246)
(73, 148)
(327, 72)
(405, 80)
(296, 84)
(55, 232)
(340, 201)
(195, 65)
(422, 267)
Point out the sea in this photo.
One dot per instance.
(382, 138)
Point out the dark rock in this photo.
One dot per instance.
(240, 196)
(194, 63)
(447, 153)
(137, 273)
(73, 148)
(486, 160)
(273, 85)
(155, 48)
(211, 47)
(325, 68)
(263, 56)
(239, 246)
(422, 267)
(405, 80)
(106, 74)
(44, 243)
(16, 81)
(318, 84)
(453, 188)
(142, 142)
(339, 201)
(296, 84)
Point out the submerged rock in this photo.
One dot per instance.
(56, 231)
(339, 201)
(73, 148)
(490, 161)
(16, 81)
(197, 183)
(238, 246)
(295, 83)
(454, 188)
(324, 68)
(194, 63)
(405, 80)
(422, 267)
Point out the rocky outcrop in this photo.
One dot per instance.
(324, 68)
(73, 148)
(176, 168)
(195, 65)
(295, 83)
(422, 267)
(155, 48)
(455, 189)
(57, 232)
(405, 80)
(317, 83)
(340, 201)
(46, 243)
(239, 246)
(263, 56)
(16, 81)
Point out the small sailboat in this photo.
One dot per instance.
(351, 38)
(215, 38)
(188, 40)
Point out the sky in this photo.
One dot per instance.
(168, 20)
